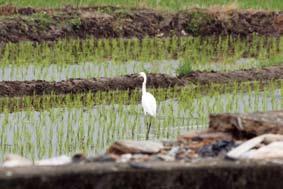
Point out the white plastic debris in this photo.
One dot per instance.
(60, 160)
(173, 151)
(124, 158)
(271, 151)
(166, 157)
(14, 160)
(183, 32)
(267, 146)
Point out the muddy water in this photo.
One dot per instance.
(67, 130)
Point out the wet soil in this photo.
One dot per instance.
(131, 82)
(17, 24)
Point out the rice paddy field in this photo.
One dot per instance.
(113, 57)
(49, 125)
(44, 126)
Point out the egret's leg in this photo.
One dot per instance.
(148, 124)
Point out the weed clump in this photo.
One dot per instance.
(185, 67)
(196, 21)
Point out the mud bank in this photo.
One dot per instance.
(131, 82)
(112, 22)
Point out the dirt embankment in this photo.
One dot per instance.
(216, 174)
(17, 24)
(131, 82)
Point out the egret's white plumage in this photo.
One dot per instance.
(148, 100)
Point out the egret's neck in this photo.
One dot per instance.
(144, 85)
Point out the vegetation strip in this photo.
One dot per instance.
(104, 22)
(166, 4)
(130, 82)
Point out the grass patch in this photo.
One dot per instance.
(164, 4)
(197, 20)
(185, 67)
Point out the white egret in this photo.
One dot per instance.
(148, 101)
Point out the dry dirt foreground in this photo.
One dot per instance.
(207, 174)
(18, 24)
(131, 82)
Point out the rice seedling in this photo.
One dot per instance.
(89, 126)
(112, 57)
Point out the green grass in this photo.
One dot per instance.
(164, 4)
(185, 67)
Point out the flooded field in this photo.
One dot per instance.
(108, 58)
(44, 126)
(92, 125)
(58, 72)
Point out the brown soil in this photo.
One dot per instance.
(130, 82)
(210, 173)
(17, 24)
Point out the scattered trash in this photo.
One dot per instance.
(13, 160)
(174, 151)
(60, 160)
(267, 146)
(160, 35)
(218, 148)
(165, 157)
(104, 158)
(134, 147)
(124, 158)
(184, 33)
(140, 157)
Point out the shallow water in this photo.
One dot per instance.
(62, 130)
(58, 72)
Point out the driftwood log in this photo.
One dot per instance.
(249, 125)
